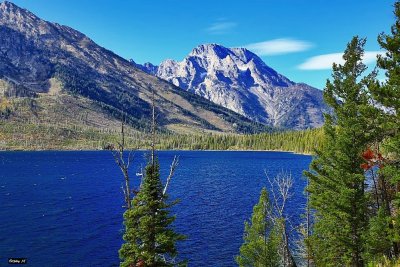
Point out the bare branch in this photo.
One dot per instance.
(130, 158)
(173, 166)
(284, 182)
(281, 191)
(153, 126)
(274, 197)
(123, 190)
(118, 154)
(141, 177)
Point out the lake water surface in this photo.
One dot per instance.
(65, 208)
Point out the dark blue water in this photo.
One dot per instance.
(65, 208)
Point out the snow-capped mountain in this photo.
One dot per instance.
(239, 80)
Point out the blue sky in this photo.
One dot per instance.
(298, 38)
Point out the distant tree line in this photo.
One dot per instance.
(63, 135)
(298, 141)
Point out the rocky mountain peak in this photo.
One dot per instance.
(7, 6)
(221, 52)
(146, 67)
(233, 67)
(240, 80)
(11, 13)
(22, 20)
(209, 49)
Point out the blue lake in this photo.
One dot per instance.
(65, 208)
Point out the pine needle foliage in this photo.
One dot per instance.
(336, 187)
(261, 238)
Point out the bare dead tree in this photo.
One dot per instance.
(153, 125)
(123, 163)
(280, 188)
(175, 161)
(302, 245)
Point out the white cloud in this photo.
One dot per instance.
(221, 27)
(323, 62)
(279, 47)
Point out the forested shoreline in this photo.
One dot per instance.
(31, 137)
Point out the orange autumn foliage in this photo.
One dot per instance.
(368, 154)
(371, 159)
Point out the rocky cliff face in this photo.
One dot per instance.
(239, 80)
(36, 54)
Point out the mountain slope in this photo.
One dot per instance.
(43, 59)
(239, 80)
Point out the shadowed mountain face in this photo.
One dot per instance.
(239, 80)
(39, 58)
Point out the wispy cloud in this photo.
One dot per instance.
(221, 26)
(325, 61)
(279, 47)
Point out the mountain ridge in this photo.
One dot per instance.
(36, 55)
(238, 79)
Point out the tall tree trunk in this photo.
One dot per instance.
(288, 260)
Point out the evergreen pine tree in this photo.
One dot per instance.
(261, 237)
(388, 94)
(150, 240)
(336, 186)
